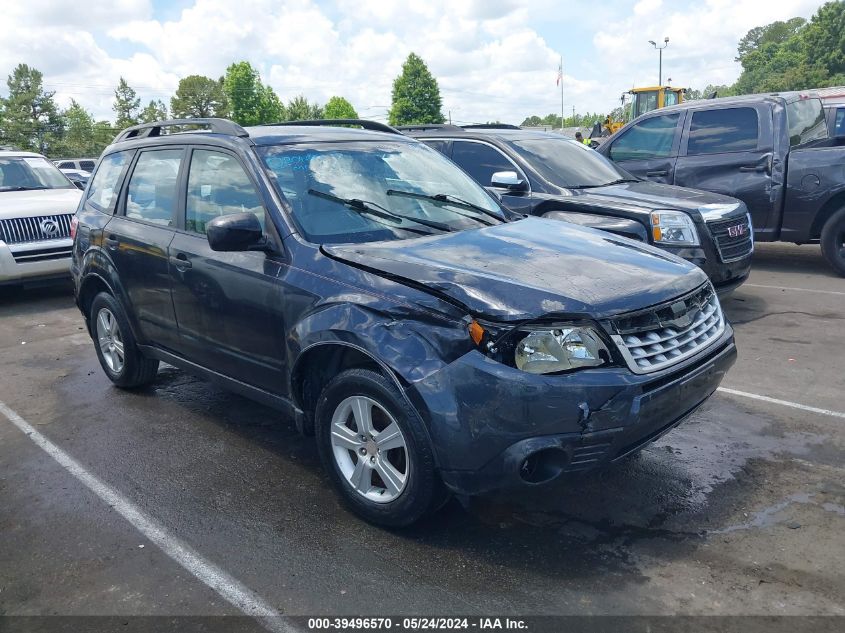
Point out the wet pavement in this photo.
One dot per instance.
(740, 510)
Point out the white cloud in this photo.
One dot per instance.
(488, 55)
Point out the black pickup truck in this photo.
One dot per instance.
(774, 152)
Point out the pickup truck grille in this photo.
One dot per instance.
(733, 238)
(665, 335)
(36, 229)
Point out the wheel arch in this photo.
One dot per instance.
(833, 204)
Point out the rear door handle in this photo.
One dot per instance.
(753, 168)
(180, 261)
(112, 242)
(659, 172)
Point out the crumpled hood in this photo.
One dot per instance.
(646, 195)
(531, 268)
(27, 204)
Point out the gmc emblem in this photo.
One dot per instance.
(736, 231)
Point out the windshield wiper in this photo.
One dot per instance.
(605, 184)
(21, 188)
(371, 208)
(449, 199)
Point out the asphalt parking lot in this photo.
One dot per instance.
(741, 510)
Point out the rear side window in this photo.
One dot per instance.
(651, 138)
(439, 145)
(67, 165)
(839, 123)
(806, 121)
(218, 186)
(103, 187)
(480, 161)
(87, 165)
(151, 194)
(724, 130)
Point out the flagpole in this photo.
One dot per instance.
(561, 93)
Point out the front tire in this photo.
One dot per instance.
(117, 351)
(375, 450)
(833, 241)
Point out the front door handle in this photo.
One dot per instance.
(180, 261)
(112, 242)
(659, 172)
(753, 168)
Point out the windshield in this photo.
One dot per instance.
(21, 173)
(570, 164)
(373, 191)
(806, 121)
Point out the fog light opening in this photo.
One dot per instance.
(543, 465)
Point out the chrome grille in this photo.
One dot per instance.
(659, 338)
(736, 246)
(35, 229)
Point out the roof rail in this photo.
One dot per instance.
(364, 123)
(216, 126)
(422, 127)
(491, 126)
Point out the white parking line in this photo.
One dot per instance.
(826, 292)
(785, 403)
(226, 586)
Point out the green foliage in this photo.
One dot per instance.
(553, 120)
(78, 138)
(155, 110)
(30, 120)
(299, 109)
(416, 95)
(794, 55)
(339, 108)
(126, 105)
(250, 101)
(199, 97)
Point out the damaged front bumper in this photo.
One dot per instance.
(494, 426)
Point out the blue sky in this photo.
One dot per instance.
(494, 59)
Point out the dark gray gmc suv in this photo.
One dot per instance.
(361, 283)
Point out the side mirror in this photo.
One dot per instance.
(509, 180)
(235, 232)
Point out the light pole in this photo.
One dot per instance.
(660, 52)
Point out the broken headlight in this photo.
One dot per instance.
(556, 349)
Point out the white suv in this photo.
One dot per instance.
(37, 203)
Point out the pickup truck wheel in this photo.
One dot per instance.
(833, 241)
(116, 349)
(372, 443)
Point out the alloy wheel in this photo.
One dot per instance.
(110, 340)
(369, 449)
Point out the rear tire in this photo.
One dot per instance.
(375, 450)
(833, 241)
(117, 350)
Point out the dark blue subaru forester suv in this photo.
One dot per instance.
(362, 283)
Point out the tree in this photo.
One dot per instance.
(339, 108)
(250, 102)
(126, 105)
(199, 96)
(78, 138)
(299, 109)
(30, 118)
(416, 95)
(154, 111)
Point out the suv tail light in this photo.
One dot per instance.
(74, 222)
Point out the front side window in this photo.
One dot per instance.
(480, 161)
(806, 121)
(375, 190)
(218, 186)
(151, 193)
(651, 138)
(24, 173)
(103, 188)
(723, 130)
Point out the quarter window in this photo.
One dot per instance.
(103, 187)
(651, 138)
(151, 194)
(218, 186)
(480, 161)
(724, 130)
